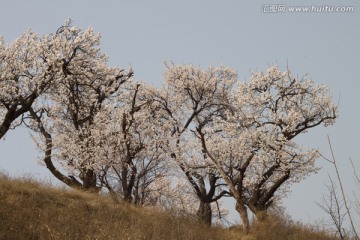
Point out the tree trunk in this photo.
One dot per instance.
(204, 213)
(4, 127)
(14, 111)
(259, 211)
(9, 117)
(70, 181)
(88, 177)
(240, 207)
(261, 215)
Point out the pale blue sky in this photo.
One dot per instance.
(233, 33)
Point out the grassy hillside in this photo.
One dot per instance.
(30, 210)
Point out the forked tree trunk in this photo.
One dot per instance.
(204, 213)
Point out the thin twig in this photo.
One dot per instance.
(325, 158)
(358, 181)
(353, 166)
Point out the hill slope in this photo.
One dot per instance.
(30, 210)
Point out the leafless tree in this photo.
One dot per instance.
(333, 212)
(333, 206)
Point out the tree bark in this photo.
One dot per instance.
(260, 211)
(204, 213)
(261, 216)
(88, 177)
(5, 126)
(241, 208)
(14, 111)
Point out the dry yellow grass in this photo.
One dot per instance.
(29, 210)
(276, 228)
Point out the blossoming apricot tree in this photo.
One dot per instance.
(83, 84)
(252, 146)
(191, 98)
